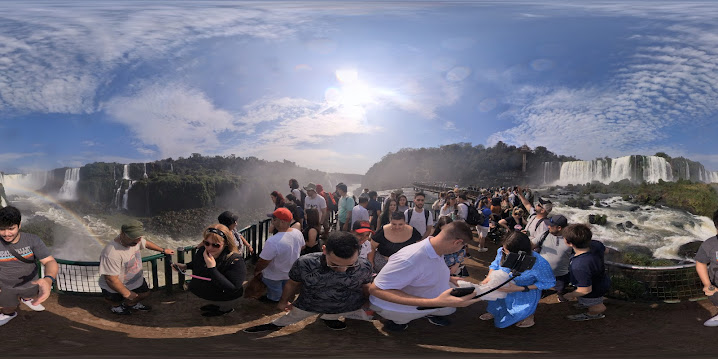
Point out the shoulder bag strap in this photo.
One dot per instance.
(17, 255)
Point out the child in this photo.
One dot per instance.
(587, 272)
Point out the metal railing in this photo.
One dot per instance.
(669, 283)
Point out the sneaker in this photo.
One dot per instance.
(265, 299)
(121, 310)
(4, 318)
(141, 307)
(561, 298)
(209, 308)
(438, 320)
(262, 328)
(394, 327)
(482, 250)
(584, 316)
(335, 324)
(37, 308)
(713, 322)
(464, 272)
(216, 313)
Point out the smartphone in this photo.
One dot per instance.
(462, 291)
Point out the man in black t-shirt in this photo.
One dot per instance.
(587, 272)
(707, 269)
(333, 283)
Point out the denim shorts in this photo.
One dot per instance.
(590, 302)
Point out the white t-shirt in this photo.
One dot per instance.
(418, 219)
(359, 213)
(534, 229)
(282, 249)
(297, 193)
(415, 269)
(317, 202)
(463, 210)
(124, 262)
(365, 249)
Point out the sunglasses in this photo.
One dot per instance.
(215, 245)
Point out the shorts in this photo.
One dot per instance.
(10, 297)
(117, 297)
(590, 302)
(482, 231)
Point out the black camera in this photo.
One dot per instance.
(518, 262)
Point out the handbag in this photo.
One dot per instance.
(255, 287)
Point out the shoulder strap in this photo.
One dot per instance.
(17, 255)
(539, 245)
(426, 216)
(538, 223)
(411, 211)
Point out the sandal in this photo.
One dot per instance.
(486, 316)
(525, 324)
(585, 316)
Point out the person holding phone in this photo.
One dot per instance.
(217, 258)
(524, 291)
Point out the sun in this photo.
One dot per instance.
(351, 92)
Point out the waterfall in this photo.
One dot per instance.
(652, 169)
(126, 195)
(126, 172)
(68, 191)
(32, 181)
(116, 200)
(144, 166)
(172, 168)
(688, 171)
(656, 168)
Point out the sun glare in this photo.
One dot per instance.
(351, 92)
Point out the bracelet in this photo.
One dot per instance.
(51, 278)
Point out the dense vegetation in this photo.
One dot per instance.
(459, 163)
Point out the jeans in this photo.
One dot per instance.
(274, 288)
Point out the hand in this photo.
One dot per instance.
(285, 306)
(44, 289)
(454, 280)
(708, 291)
(510, 288)
(167, 251)
(132, 296)
(180, 266)
(445, 299)
(251, 250)
(209, 260)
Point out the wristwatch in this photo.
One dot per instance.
(526, 289)
(51, 278)
(711, 287)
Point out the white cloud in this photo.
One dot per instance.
(12, 156)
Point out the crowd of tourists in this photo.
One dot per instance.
(338, 256)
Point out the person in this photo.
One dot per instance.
(229, 220)
(217, 259)
(483, 228)
(346, 204)
(19, 279)
(277, 199)
(516, 222)
(402, 203)
(538, 216)
(389, 208)
(294, 190)
(455, 261)
(331, 209)
(362, 232)
(390, 238)
(311, 233)
(419, 218)
(374, 209)
(707, 268)
(121, 279)
(278, 254)
(524, 291)
(313, 200)
(463, 206)
(553, 248)
(297, 215)
(333, 284)
(436, 207)
(417, 276)
(588, 272)
(360, 212)
(450, 208)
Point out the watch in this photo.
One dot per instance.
(711, 287)
(51, 278)
(526, 289)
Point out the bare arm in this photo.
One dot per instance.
(702, 270)
(113, 281)
(288, 293)
(312, 237)
(45, 284)
(246, 244)
(523, 199)
(261, 265)
(154, 247)
(504, 224)
(370, 256)
(444, 299)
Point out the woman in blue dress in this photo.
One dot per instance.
(524, 291)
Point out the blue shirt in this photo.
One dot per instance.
(588, 270)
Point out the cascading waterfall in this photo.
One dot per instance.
(118, 195)
(68, 191)
(126, 195)
(126, 172)
(144, 166)
(30, 181)
(652, 169)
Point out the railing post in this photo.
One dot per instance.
(168, 273)
(180, 259)
(155, 280)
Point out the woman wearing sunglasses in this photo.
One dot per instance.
(516, 222)
(218, 260)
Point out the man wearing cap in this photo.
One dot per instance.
(121, 279)
(538, 216)
(362, 232)
(554, 249)
(313, 200)
(278, 254)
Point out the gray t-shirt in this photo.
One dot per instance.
(708, 254)
(15, 273)
(124, 262)
(557, 253)
(327, 291)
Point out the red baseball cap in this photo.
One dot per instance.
(362, 227)
(282, 214)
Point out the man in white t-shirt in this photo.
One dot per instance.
(362, 232)
(417, 276)
(359, 212)
(278, 255)
(121, 279)
(421, 219)
(314, 200)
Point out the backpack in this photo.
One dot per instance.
(303, 195)
(542, 239)
(426, 215)
(474, 216)
(331, 202)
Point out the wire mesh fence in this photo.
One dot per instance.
(670, 284)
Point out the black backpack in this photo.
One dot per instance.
(474, 217)
(303, 195)
(426, 215)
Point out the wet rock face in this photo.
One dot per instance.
(689, 250)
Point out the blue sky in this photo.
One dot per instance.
(335, 86)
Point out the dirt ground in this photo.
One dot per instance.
(81, 326)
